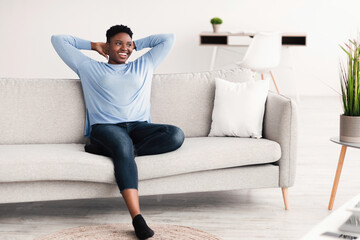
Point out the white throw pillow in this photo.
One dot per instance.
(239, 108)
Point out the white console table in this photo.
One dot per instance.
(243, 39)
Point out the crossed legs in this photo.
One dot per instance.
(121, 141)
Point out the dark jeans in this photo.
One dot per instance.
(123, 140)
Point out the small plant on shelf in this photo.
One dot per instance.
(216, 22)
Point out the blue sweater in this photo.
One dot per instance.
(114, 93)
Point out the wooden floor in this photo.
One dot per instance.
(241, 214)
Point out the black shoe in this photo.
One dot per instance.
(142, 230)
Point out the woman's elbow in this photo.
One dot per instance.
(171, 38)
(53, 38)
(56, 39)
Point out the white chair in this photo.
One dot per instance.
(263, 54)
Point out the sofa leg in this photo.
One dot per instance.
(286, 197)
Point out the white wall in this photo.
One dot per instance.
(27, 25)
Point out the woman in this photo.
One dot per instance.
(117, 99)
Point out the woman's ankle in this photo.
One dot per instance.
(133, 215)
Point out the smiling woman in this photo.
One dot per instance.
(117, 99)
(119, 48)
(119, 44)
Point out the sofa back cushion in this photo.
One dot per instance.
(41, 111)
(53, 111)
(187, 99)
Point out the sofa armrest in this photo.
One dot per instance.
(280, 125)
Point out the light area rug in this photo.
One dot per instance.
(124, 231)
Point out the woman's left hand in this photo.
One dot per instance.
(101, 48)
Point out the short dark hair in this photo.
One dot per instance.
(117, 29)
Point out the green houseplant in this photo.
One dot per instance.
(350, 89)
(216, 22)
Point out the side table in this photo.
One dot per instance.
(344, 146)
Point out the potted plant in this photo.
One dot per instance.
(350, 89)
(216, 22)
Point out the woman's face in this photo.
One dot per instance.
(120, 48)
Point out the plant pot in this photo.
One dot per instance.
(216, 27)
(349, 129)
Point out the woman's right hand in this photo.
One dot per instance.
(101, 48)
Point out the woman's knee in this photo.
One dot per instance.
(117, 149)
(176, 136)
(123, 150)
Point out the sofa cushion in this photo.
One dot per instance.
(41, 111)
(39, 162)
(239, 108)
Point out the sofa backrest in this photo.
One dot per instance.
(53, 111)
(41, 111)
(186, 100)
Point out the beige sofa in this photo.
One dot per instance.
(42, 153)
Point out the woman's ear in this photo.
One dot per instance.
(107, 46)
(134, 45)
